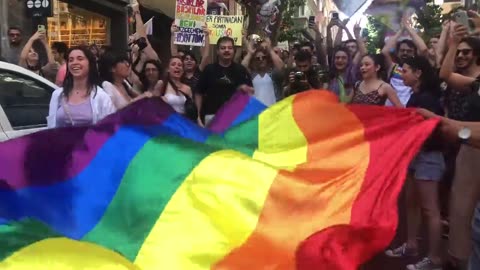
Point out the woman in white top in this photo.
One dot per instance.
(114, 70)
(80, 102)
(172, 90)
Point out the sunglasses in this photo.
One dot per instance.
(464, 51)
(260, 58)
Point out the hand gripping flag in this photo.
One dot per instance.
(306, 184)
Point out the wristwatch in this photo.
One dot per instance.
(464, 134)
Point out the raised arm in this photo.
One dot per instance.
(248, 58)
(321, 50)
(26, 49)
(149, 51)
(173, 46)
(205, 51)
(339, 37)
(362, 49)
(422, 48)
(389, 47)
(278, 64)
(455, 80)
(442, 42)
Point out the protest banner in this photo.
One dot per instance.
(189, 18)
(220, 26)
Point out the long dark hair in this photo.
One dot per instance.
(167, 80)
(143, 77)
(333, 70)
(93, 79)
(108, 61)
(379, 60)
(429, 81)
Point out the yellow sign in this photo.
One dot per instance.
(220, 26)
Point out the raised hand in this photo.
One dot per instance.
(357, 28)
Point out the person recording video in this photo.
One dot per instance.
(304, 76)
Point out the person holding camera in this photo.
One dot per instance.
(303, 77)
(266, 68)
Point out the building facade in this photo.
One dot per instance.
(74, 22)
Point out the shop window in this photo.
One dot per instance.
(76, 26)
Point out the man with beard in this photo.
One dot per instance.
(220, 80)
(12, 52)
(463, 104)
(403, 50)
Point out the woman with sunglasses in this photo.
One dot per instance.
(266, 68)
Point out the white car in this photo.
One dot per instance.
(24, 100)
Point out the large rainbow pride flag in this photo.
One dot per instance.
(306, 184)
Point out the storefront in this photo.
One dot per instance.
(89, 22)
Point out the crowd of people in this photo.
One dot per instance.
(440, 77)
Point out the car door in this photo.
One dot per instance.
(24, 101)
(3, 121)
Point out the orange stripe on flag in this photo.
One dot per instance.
(374, 212)
(316, 195)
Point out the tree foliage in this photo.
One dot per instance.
(284, 28)
(288, 32)
(429, 20)
(376, 32)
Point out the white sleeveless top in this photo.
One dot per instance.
(176, 101)
(118, 99)
(264, 89)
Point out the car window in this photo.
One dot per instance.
(24, 100)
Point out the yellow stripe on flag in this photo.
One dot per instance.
(65, 254)
(215, 210)
(280, 140)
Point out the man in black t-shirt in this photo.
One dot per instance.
(219, 81)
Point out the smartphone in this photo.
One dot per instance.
(461, 17)
(41, 28)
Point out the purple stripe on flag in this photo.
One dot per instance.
(229, 112)
(65, 152)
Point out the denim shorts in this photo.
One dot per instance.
(428, 166)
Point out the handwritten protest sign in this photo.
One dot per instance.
(220, 26)
(189, 18)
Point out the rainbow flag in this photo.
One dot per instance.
(306, 184)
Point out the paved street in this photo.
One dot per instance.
(382, 262)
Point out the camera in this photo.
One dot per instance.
(141, 43)
(299, 75)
